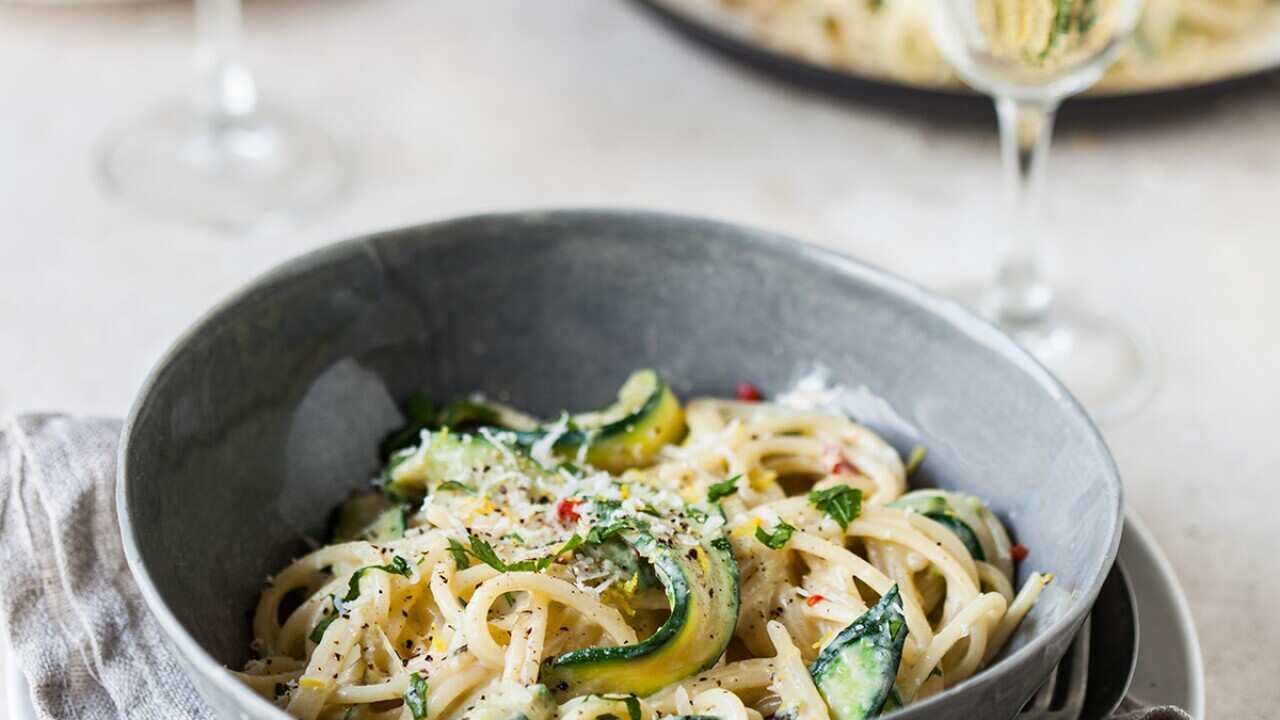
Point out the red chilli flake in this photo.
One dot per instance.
(749, 393)
(1019, 552)
(565, 510)
(814, 600)
(835, 459)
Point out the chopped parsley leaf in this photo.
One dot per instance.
(460, 559)
(485, 553)
(455, 486)
(569, 546)
(600, 533)
(462, 413)
(415, 696)
(723, 489)
(397, 566)
(573, 471)
(317, 633)
(632, 703)
(696, 513)
(840, 502)
(613, 521)
(778, 538)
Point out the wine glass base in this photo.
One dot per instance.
(1109, 368)
(237, 174)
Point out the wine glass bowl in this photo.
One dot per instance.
(235, 174)
(219, 156)
(1029, 55)
(1032, 48)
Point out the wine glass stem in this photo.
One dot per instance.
(226, 90)
(1023, 297)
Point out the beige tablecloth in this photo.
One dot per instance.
(1167, 223)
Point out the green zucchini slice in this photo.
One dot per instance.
(624, 435)
(444, 456)
(961, 530)
(893, 703)
(923, 502)
(367, 516)
(629, 433)
(628, 563)
(935, 506)
(388, 526)
(854, 673)
(702, 589)
(421, 415)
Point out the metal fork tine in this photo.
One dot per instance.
(1044, 696)
(1076, 668)
(1077, 684)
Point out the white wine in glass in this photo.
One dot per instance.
(1029, 55)
(220, 157)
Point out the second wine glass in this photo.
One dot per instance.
(219, 156)
(1029, 55)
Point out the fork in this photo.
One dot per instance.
(1072, 673)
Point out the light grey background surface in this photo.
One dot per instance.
(459, 107)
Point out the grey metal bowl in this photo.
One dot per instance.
(268, 411)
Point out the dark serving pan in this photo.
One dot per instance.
(1138, 106)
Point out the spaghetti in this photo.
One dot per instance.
(705, 579)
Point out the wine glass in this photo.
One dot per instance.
(220, 157)
(1029, 55)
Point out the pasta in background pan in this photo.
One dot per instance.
(733, 558)
(1177, 42)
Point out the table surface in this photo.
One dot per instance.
(1167, 224)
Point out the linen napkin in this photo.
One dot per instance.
(89, 648)
(75, 620)
(1132, 711)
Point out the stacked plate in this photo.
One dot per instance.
(1167, 669)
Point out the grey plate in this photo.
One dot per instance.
(268, 411)
(1170, 668)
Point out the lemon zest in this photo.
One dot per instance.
(747, 528)
(617, 598)
(824, 640)
(760, 479)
